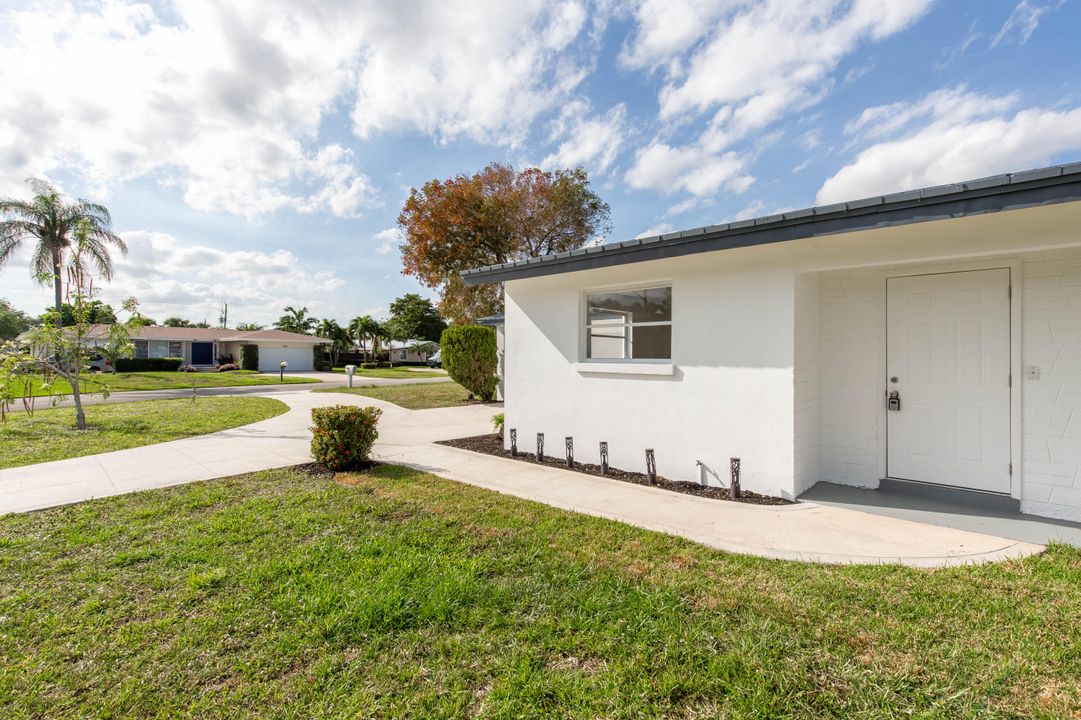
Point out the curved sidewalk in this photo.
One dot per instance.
(804, 531)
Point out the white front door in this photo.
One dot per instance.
(948, 359)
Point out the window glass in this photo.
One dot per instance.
(174, 349)
(141, 349)
(648, 305)
(629, 324)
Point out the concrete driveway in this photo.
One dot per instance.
(806, 531)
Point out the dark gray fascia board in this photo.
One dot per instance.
(1032, 188)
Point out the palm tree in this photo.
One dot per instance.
(50, 220)
(297, 321)
(339, 338)
(366, 329)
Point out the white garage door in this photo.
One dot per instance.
(271, 356)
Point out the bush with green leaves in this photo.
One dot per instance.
(470, 358)
(342, 435)
(249, 357)
(319, 358)
(124, 364)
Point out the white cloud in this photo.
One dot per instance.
(1023, 21)
(757, 61)
(388, 240)
(747, 65)
(222, 100)
(480, 70)
(965, 136)
(957, 104)
(658, 229)
(228, 101)
(170, 277)
(592, 142)
(671, 169)
(752, 209)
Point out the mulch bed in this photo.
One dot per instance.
(493, 445)
(319, 470)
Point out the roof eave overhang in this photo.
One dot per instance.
(854, 216)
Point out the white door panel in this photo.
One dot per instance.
(948, 346)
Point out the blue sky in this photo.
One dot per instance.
(259, 151)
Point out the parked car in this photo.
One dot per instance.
(99, 363)
(436, 361)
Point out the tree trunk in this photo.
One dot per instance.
(58, 289)
(76, 397)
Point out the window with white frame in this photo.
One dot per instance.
(175, 350)
(629, 324)
(141, 348)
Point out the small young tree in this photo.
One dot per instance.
(470, 358)
(59, 351)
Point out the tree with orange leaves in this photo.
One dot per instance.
(497, 215)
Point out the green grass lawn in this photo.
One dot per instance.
(413, 396)
(395, 372)
(50, 434)
(161, 380)
(400, 595)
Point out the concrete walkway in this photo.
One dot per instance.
(805, 531)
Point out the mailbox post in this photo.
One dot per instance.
(281, 371)
(349, 370)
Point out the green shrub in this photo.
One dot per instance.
(147, 364)
(470, 358)
(342, 435)
(319, 358)
(497, 423)
(374, 365)
(249, 357)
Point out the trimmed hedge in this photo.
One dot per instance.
(374, 365)
(148, 364)
(319, 358)
(342, 435)
(470, 358)
(249, 357)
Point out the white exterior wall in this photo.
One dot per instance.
(807, 384)
(851, 358)
(732, 351)
(1051, 341)
(851, 317)
(794, 387)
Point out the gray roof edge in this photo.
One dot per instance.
(1028, 188)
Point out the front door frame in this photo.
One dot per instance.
(1014, 264)
(213, 353)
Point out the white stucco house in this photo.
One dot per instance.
(781, 340)
(201, 347)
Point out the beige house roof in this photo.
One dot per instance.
(161, 332)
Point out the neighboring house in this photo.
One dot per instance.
(201, 347)
(405, 352)
(780, 340)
